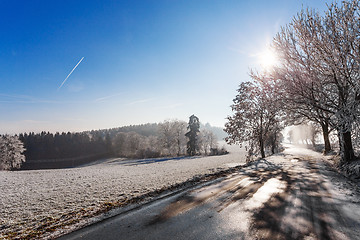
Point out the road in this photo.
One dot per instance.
(292, 195)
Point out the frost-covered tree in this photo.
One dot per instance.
(134, 145)
(179, 129)
(11, 152)
(304, 134)
(297, 102)
(319, 67)
(193, 127)
(255, 119)
(118, 144)
(172, 137)
(167, 138)
(207, 141)
(303, 97)
(356, 136)
(340, 54)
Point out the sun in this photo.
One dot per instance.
(267, 59)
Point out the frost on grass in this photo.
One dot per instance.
(36, 203)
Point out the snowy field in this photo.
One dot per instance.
(33, 200)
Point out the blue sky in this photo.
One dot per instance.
(143, 61)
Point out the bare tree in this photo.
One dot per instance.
(207, 141)
(319, 68)
(118, 144)
(172, 137)
(179, 128)
(256, 117)
(167, 138)
(356, 136)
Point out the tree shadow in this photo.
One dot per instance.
(304, 209)
(134, 162)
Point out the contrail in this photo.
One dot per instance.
(71, 72)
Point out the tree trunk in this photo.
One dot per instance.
(262, 151)
(261, 139)
(179, 146)
(273, 148)
(325, 129)
(273, 144)
(346, 150)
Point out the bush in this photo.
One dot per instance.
(216, 151)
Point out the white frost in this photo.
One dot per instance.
(27, 197)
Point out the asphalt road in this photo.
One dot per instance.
(289, 196)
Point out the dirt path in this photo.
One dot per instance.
(288, 196)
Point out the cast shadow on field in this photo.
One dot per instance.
(134, 162)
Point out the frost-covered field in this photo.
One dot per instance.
(33, 200)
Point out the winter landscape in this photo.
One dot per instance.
(180, 120)
(37, 201)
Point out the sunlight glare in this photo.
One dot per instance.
(268, 59)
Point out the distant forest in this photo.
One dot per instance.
(136, 141)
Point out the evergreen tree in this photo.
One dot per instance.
(192, 144)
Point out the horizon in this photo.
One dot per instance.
(101, 129)
(81, 66)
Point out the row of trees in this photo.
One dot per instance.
(46, 145)
(170, 140)
(141, 141)
(65, 145)
(317, 79)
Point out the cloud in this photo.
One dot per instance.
(75, 87)
(140, 101)
(18, 126)
(7, 98)
(15, 98)
(237, 50)
(107, 97)
(176, 105)
(74, 119)
(71, 72)
(33, 121)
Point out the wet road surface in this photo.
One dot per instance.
(289, 196)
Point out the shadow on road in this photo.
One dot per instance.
(304, 208)
(288, 196)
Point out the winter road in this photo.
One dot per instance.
(289, 196)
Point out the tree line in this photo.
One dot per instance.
(168, 139)
(42, 146)
(316, 79)
(137, 141)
